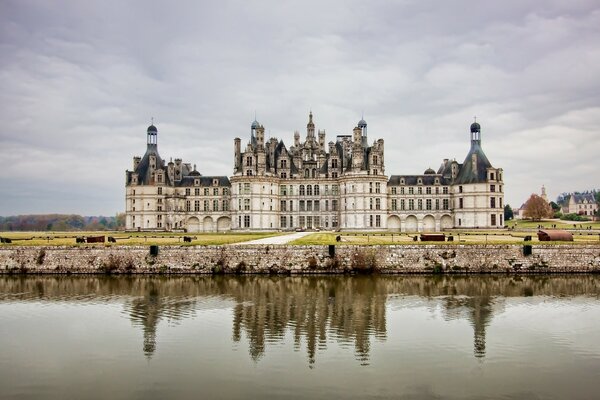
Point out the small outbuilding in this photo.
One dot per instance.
(545, 235)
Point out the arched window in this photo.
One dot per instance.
(308, 190)
(316, 190)
(307, 173)
(314, 173)
(302, 190)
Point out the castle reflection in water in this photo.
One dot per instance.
(312, 309)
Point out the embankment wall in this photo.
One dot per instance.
(303, 259)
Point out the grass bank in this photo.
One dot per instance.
(132, 238)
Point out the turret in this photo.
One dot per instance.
(362, 124)
(152, 137)
(310, 127)
(297, 139)
(475, 133)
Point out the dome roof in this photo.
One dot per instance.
(255, 124)
(429, 171)
(195, 173)
(152, 129)
(475, 127)
(362, 123)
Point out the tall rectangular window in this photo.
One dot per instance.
(246, 221)
(197, 205)
(378, 221)
(492, 202)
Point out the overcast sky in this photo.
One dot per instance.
(80, 80)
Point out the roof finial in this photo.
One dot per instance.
(475, 117)
(151, 120)
(194, 167)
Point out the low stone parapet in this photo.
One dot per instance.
(288, 259)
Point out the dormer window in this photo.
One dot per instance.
(419, 181)
(215, 182)
(196, 182)
(402, 181)
(437, 181)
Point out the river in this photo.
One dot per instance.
(300, 337)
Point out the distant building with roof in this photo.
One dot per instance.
(582, 204)
(313, 185)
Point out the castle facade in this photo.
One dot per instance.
(313, 184)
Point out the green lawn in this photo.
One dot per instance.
(560, 224)
(462, 237)
(131, 238)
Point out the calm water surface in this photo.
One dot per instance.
(96, 337)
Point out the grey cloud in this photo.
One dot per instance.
(80, 81)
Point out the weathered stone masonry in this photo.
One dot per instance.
(302, 259)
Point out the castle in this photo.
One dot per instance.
(313, 185)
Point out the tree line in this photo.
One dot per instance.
(62, 222)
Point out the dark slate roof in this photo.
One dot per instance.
(204, 180)
(143, 169)
(468, 174)
(580, 198)
(411, 180)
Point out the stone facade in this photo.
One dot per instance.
(303, 259)
(313, 185)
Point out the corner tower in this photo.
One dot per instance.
(478, 189)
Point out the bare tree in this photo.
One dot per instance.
(537, 208)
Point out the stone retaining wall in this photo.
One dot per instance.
(302, 259)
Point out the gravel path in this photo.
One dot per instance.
(283, 239)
